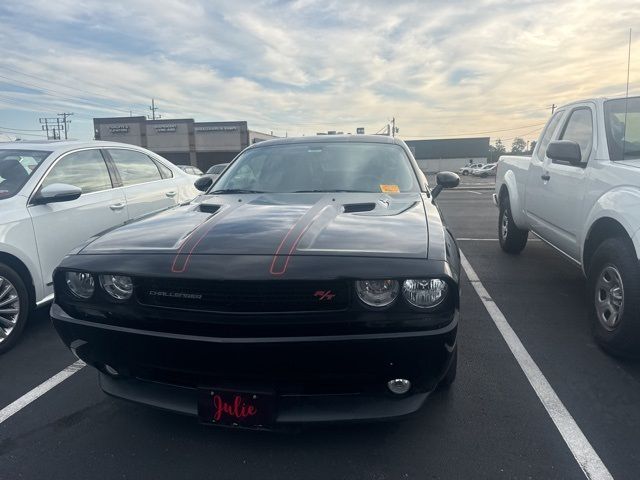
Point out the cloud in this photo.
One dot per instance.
(441, 68)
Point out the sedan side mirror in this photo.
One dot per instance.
(445, 180)
(57, 192)
(564, 151)
(203, 183)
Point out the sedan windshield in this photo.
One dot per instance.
(320, 167)
(16, 166)
(622, 122)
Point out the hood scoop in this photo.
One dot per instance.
(358, 207)
(209, 208)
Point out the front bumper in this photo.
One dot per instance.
(315, 379)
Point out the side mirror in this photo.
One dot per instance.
(564, 151)
(57, 192)
(445, 180)
(203, 183)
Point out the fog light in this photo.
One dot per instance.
(111, 371)
(399, 386)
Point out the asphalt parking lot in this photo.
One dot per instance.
(491, 424)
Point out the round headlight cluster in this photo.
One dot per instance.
(377, 293)
(424, 293)
(119, 287)
(81, 284)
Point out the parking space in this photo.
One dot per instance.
(490, 424)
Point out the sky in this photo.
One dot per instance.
(442, 69)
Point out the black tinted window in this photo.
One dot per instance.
(134, 167)
(579, 128)
(85, 169)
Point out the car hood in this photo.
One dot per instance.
(362, 224)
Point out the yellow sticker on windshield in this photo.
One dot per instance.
(389, 188)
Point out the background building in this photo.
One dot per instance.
(449, 154)
(181, 141)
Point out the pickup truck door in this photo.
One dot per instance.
(562, 186)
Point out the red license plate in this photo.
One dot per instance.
(236, 408)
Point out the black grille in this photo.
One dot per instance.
(240, 297)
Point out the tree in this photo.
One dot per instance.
(532, 146)
(518, 145)
(499, 147)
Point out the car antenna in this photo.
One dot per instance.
(626, 98)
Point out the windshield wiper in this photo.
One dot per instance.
(331, 191)
(235, 190)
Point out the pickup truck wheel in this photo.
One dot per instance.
(14, 307)
(614, 289)
(512, 238)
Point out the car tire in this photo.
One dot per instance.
(512, 239)
(613, 281)
(450, 376)
(464, 172)
(14, 293)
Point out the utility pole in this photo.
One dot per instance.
(153, 109)
(54, 126)
(553, 108)
(393, 127)
(66, 122)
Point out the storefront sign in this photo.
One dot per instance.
(118, 128)
(166, 128)
(216, 128)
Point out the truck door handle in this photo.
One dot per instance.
(172, 193)
(117, 206)
(546, 177)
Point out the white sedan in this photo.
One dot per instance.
(54, 196)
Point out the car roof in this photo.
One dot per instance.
(329, 139)
(62, 145)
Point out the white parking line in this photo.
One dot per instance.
(40, 390)
(585, 455)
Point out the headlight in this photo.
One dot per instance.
(424, 293)
(118, 286)
(377, 293)
(81, 284)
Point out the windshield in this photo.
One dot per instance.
(623, 136)
(16, 166)
(217, 169)
(321, 167)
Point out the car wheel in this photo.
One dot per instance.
(512, 238)
(464, 172)
(613, 282)
(450, 376)
(14, 307)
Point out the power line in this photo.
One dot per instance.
(19, 129)
(66, 122)
(475, 133)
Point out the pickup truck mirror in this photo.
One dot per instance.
(203, 183)
(565, 151)
(445, 180)
(57, 192)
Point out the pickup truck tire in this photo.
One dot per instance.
(512, 238)
(14, 307)
(614, 295)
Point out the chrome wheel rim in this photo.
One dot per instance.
(609, 297)
(504, 225)
(9, 308)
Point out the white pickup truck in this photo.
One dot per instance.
(580, 193)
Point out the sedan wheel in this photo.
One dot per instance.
(9, 308)
(14, 307)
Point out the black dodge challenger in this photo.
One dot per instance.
(314, 281)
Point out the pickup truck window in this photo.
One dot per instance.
(623, 138)
(548, 133)
(579, 128)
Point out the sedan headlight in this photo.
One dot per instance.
(81, 284)
(377, 293)
(118, 286)
(424, 293)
